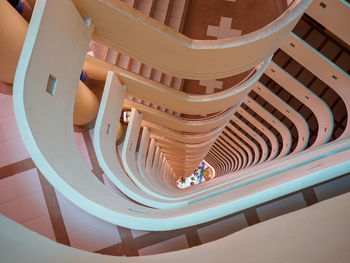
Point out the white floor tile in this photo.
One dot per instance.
(8, 129)
(74, 218)
(42, 226)
(32, 206)
(21, 197)
(6, 106)
(84, 230)
(27, 182)
(12, 210)
(8, 190)
(12, 151)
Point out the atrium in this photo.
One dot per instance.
(180, 130)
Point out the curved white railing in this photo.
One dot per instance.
(321, 67)
(274, 122)
(263, 129)
(321, 110)
(161, 47)
(298, 120)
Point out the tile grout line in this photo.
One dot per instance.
(309, 196)
(251, 216)
(54, 210)
(127, 241)
(15, 168)
(96, 169)
(192, 237)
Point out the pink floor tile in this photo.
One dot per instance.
(42, 226)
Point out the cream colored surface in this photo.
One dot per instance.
(324, 227)
(149, 90)
(180, 124)
(263, 129)
(246, 151)
(274, 122)
(323, 68)
(143, 181)
(237, 158)
(321, 110)
(53, 147)
(243, 137)
(237, 147)
(161, 47)
(228, 160)
(335, 17)
(223, 160)
(236, 154)
(299, 122)
(181, 137)
(219, 162)
(256, 136)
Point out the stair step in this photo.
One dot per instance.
(123, 61)
(98, 50)
(111, 56)
(176, 14)
(145, 6)
(167, 80)
(177, 83)
(160, 10)
(135, 66)
(128, 2)
(157, 75)
(146, 71)
(169, 12)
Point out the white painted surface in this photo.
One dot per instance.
(53, 148)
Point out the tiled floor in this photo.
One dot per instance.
(11, 145)
(82, 148)
(22, 200)
(85, 231)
